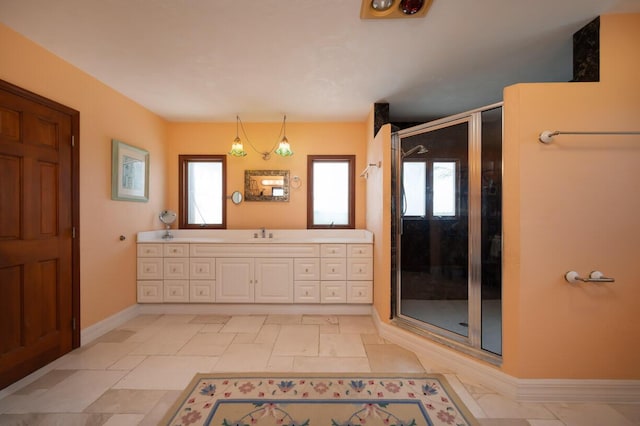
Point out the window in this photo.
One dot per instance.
(202, 191)
(331, 191)
(444, 188)
(414, 185)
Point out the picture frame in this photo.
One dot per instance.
(129, 172)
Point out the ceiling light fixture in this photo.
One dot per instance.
(283, 150)
(390, 9)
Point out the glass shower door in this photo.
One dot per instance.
(447, 231)
(434, 242)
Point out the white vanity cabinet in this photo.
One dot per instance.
(202, 283)
(254, 272)
(346, 273)
(254, 280)
(149, 273)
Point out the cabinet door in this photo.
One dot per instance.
(150, 291)
(202, 268)
(333, 292)
(176, 268)
(234, 280)
(149, 250)
(307, 292)
(176, 291)
(360, 269)
(359, 292)
(202, 291)
(149, 268)
(306, 269)
(274, 280)
(333, 268)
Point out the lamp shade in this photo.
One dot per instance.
(284, 149)
(237, 149)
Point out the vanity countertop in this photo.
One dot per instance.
(253, 236)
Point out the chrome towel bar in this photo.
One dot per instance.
(546, 137)
(594, 277)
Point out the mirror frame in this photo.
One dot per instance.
(249, 175)
(236, 197)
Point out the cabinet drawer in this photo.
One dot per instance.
(359, 250)
(176, 268)
(202, 268)
(307, 292)
(150, 291)
(359, 268)
(359, 292)
(176, 250)
(306, 269)
(333, 269)
(203, 291)
(333, 292)
(176, 291)
(149, 268)
(149, 250)
(333, 250)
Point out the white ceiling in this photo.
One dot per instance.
(208, 60)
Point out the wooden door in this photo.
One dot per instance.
(39, 270)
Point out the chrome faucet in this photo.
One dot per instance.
(263, 232)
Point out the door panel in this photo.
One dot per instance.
(38, 289)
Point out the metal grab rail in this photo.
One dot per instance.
(594, 277)
(546, 137)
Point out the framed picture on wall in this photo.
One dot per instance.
(129, 172)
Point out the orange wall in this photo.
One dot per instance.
(107, 266)
(573, 205)
(379, 214)
(305, 138)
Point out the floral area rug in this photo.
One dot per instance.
(318, 400)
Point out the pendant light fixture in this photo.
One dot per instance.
(283, 150)
(237, 149)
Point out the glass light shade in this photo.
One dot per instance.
(381, 5)
(409, 7)
(237, 149)
(284, 149)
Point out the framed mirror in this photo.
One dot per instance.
(266, 185)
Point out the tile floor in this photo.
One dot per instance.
(131, 375)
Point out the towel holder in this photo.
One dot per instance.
(594, 277)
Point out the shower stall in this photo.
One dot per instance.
(447, 231)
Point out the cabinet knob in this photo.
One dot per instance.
(174, 250)
(360, 270)
(306, 293)
(200, 270)
(148, 270)
(173, 293)
(173, 269)
(333, 293)
(148, 251)
(306, 269)
(333, 269)
(201, 293)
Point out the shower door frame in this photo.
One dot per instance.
(472, 343)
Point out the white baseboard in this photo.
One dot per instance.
(525, 390)
(253, 309)
(98, 329)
